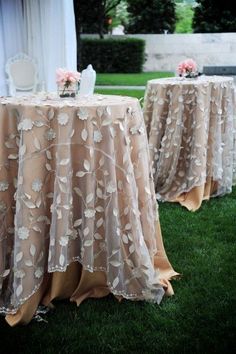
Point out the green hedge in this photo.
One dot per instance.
(113, 55)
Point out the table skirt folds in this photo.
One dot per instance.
(77, 284)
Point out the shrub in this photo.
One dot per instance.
(113, 55)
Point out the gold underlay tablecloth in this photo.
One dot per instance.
(192, 200)
(77, 284)
(78, 209)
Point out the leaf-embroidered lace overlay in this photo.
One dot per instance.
(76, 185)
(191, 126)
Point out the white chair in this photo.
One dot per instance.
(22, 74)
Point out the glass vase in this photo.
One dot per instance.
(67, 90)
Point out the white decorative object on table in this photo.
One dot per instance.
(87, 83)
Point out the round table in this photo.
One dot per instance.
(78, 210)
(190, 125)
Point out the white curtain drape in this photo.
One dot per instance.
(42, 29)
(3, 89)
(50, 36)
(12, 39)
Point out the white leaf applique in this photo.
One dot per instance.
(62, 260)
(77, 222)
(88, 243)
(125, 238)
(50, 114)
(19, 290)
(84, 135)
(86, 231)
(100, 111)
(48, 167)
(32, 250)
(64, 162)
(89, 197)
(86, 165)
(115, 282)
(99, 193)
(131, 248)
(19, 256)
(37, 144)
(78, 191)
(97, 236)
(99, 222)
(100, 209)
(29, 204)
(5, 273)
(107, 121)
(115, 263)
(13, 157)
(80, 173)
(25, 124)
(28, 263)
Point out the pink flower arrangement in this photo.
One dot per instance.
(66, 77)
(187, 68)
(67, 80)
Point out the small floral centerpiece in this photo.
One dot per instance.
(67, 82)
(188, 69)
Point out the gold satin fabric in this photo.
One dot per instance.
(77, 284)
(192, 200)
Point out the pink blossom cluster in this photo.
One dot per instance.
(67, 77)
(186, 67)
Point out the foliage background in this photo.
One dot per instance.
(213, 16)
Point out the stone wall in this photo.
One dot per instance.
(165, 51)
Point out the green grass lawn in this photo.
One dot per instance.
(139, 79)
(133, 93)
(199, 318)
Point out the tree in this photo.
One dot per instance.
(184, 14)
(151, 16)
(120, 14)
(211, 16)
(92, 15)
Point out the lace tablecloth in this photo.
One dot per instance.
(76, 185)
(191, 130)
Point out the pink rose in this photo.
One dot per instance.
(64, 76)
(181, 68)
(187, 66)
(190, 65)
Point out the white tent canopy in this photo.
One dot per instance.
(45, 30)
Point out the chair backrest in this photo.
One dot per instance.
(22, 74)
